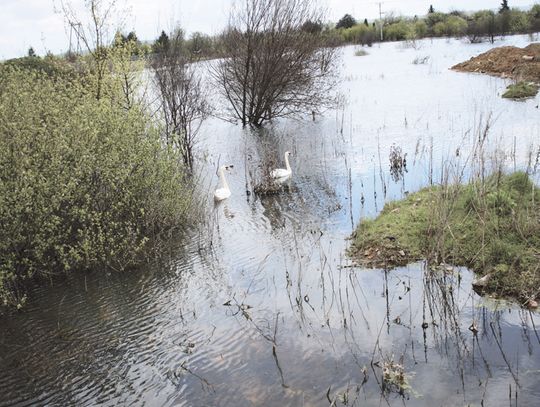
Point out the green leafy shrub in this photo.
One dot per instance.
(50, 65)
(455, 26)
(359, 34)
(84, 183)
(399, 31)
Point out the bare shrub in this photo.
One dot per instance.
(182, 96)
(271, 67)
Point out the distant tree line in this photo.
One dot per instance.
(476, 26)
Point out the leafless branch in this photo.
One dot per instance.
(271, 66)
(182, 94)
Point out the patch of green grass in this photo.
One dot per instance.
(521, 90)
(491, 227)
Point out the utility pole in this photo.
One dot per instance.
(380, 20)
(72, 30)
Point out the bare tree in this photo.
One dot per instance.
(94, 34)
(181, 93)
(271, 67)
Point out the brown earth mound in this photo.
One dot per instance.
(522, 64)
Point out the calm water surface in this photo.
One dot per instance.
(261, 306)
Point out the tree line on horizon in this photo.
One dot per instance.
(476, 26)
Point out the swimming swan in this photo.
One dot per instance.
(223, 192)
(282, 173)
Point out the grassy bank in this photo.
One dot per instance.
(490, 226)
(85, 182)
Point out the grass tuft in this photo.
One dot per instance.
(521, 90)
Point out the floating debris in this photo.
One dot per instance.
(394, 378)
(480, 283)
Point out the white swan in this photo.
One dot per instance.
(223, 192)
(281, 174)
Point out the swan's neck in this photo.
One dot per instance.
(287, 165)
(224, 183)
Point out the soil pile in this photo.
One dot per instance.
(508, 62)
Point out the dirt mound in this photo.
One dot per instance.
(507, 62)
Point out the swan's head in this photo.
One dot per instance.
(287, 154)
(226, 167)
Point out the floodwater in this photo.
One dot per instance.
(261, 306)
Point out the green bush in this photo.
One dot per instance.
(519, 21)
(399, 31)
(84, 183)
(435, 18)
(359, 34)
(439, 29)
(455, 26)
(420, 29)
(51, 66)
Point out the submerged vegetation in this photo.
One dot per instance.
(521, 90)
(490, 225)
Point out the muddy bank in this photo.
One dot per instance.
(521, 64)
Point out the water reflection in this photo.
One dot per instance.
(261, 305)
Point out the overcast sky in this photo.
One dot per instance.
(25, 23)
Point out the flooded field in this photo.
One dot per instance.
(261, 306)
